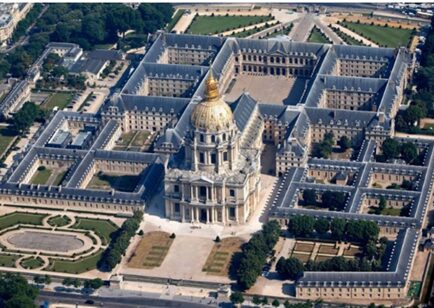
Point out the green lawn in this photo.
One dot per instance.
(59, 221)
(316, 36)
(8, 260)
(140, 138)
(31, 263)
(7, 136)
(175, 19)
(126, 138)
(76, 267)
(103, 228)
(348, 39)
(391, 212)
(120, 182)
(250, 32)
(383, 36)
(59, 178)
(59, 99)
(41, 176)
(9, 220)
(218, 24)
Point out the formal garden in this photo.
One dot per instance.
(66, 243)
(336, 245)
(151, 250)
(216, 24)
(384, 36)
(221, 255)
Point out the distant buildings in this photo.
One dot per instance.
(10, 15)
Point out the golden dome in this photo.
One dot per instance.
(212, 114)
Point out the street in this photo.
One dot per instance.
(79, 299)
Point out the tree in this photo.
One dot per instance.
(309, 197)
(15, 292)
(237, 298)
(344, 143)
(381, 205)
(334, 200)
(256, 300)
(337, 228)
(409, 152)
(38, 279)
(93, 284)
(301, 225)
(390, 148)
(291, 268)
(322, 226)
(275, 303)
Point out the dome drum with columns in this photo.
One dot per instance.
(220, 180)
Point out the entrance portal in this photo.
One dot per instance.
(202, 215)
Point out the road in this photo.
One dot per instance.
(302, 28)
(113, 302)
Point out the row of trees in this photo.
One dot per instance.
(422, 101)
(88, 284)
(120, 241)
(337, 229)
(407, 151)
(255, 252)
(24, 24)
(332, 200)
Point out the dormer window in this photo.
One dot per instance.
(212, 138)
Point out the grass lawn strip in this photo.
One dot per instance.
(218, 24)
(102, 228)
(59, 178)
(7, 136)
(8, 260)
(59, 99)
(151, 250)
(59, 221)
(140, 138)
(107, 181)
(306, 247)
(316, 36)
(327, 249)
(77, 266)
(31, 263)
(219, 259)
(15, 218)
(41, 176)
(385, 36)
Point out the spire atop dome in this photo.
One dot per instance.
(212, 89)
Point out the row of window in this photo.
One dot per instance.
(283, 60)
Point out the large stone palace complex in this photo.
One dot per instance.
(211, 105)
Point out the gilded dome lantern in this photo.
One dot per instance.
(212, 114)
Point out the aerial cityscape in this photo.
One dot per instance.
(216, 155)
